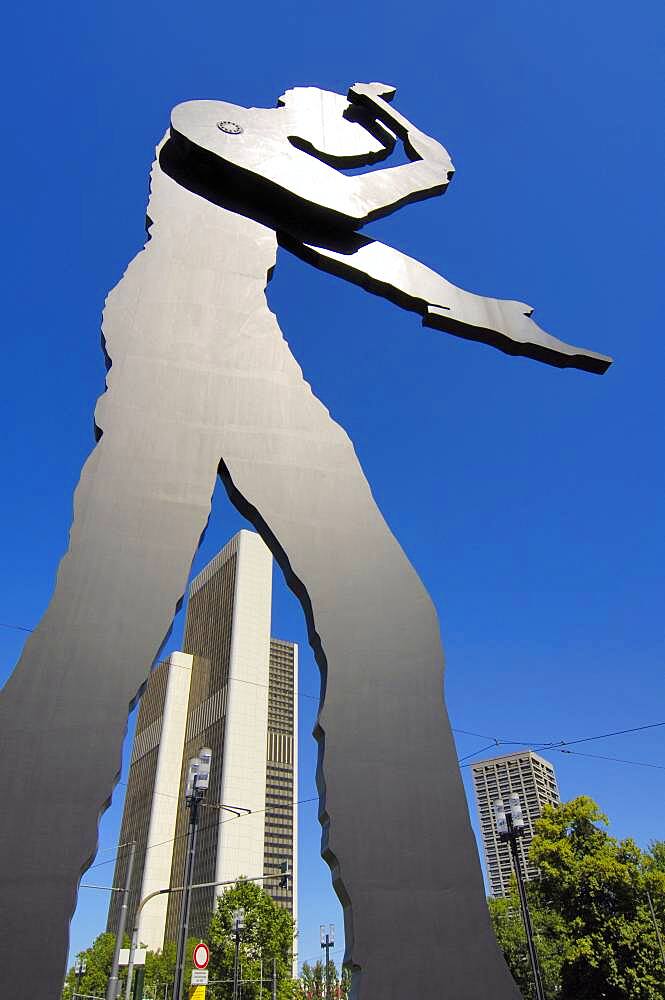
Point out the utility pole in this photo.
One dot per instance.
(198, 780)
(112, 988)
(510, 826)
(327, 942)
(79, 969)
(238, 927)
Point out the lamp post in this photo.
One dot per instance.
(510, 826)
(112, 988)
(79, 969)
(327, 942)
(196, 786)
(238, 927)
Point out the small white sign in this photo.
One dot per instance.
(139, 956)
(199, 977)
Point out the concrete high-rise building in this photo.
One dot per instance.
(151, 805)
(235, 690)
(534, 780)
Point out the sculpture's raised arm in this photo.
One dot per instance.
(285, 159)
(502, 323)
(280, 164)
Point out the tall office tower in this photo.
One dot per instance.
(149, 817)
(534, 780)
(241, 702)
(281, 820)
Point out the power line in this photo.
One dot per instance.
(618, 760)
(496, 741)
(602, 736)
(209, 826)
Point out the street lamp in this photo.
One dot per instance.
(510, 826)
(79, 969)
(327, 942)
(196, 786)
(238, 928)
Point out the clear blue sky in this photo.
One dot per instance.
(529, 499)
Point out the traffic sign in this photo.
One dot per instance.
(199, 977)
(201, 956)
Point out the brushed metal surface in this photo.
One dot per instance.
(202, 381)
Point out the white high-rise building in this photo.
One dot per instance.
(533, 779)
(235, 691)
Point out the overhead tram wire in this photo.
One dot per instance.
(536, 745)
(209, 826)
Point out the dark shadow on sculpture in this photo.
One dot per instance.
(200, 381)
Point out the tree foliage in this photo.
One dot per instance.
(267, 936)
(159, 972)
(590, 908)
(98, 959)
(313, 981)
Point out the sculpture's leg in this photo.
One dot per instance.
(399, 838)
(140, 508)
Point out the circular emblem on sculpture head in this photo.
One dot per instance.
(231, 127)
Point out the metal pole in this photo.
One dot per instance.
(655, 924)
(186, 896)
(327, 966)
(79, 976)
(526, 916)
(261, 986)
(274, 979)
(112, 986)
(235, 964)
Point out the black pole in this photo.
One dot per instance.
(526, 916)
(327, 970)
(186, 896)
(79, 976)
(112, 986)
(235, 964)
(138, 983)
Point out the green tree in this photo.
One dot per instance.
(267, 936)
(597, 885)
(99, 959)
(548, 929)
(160, 969)
(313, 979)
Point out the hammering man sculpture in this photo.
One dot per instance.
(201, 382)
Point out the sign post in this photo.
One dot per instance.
(199, 981)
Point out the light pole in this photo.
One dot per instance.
(79, 969)
(510, 826)
(196, 785)
(238, 927)
(327, 942)
(112, 986)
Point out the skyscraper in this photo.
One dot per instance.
(240, 699)
(534, 780)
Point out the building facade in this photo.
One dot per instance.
(534, 780)
(240, 700)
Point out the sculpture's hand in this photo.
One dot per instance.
(375, 97)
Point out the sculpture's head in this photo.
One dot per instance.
(290, 158)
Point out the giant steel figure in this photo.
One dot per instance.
(201, 382)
